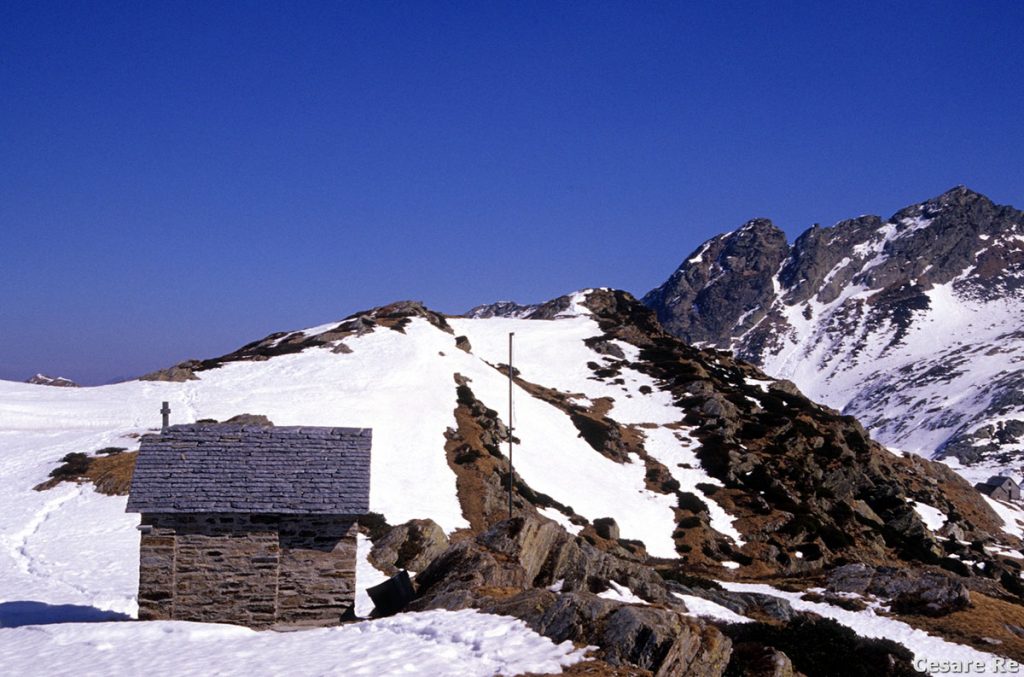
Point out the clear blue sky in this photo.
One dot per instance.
(179, 178)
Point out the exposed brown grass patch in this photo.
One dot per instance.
(595, 668)
(987, 618)
(600, 407)
(112, 474)
(474, 469)
(474, 452)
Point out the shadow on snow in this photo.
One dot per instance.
(17, 614)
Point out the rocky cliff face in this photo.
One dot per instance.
(723, 285)
(913, 324)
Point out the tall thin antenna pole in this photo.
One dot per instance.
(510, 335)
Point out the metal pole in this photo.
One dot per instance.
(510, 335)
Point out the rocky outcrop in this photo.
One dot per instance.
(533, 570)
(526, 552)
(411, 546)
(663, 641)
(723, 286)
(109, 470)
(808, 485)
(907, 591)
(750, 604)
(179, 373)
(549, 310)
(250, 419)
(814, 646)
(58, 381)
(995, 442)
(501, 309)
(394, 316)
(757, 660)
(474, 455)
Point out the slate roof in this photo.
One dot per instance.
(253, 469)
(998, 480)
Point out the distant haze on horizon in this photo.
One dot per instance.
(182, 178)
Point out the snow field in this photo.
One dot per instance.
(401, 385)
(456, 643)
(552, 353)
(69, 553)
(68, 545)
(552, 457)
(1012, 516)
(71, 546)
(558, 517)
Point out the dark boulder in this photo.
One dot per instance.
(606, 527)
(661, 640)
(750, 604)
(818, 646)
(532, 569)
(909, 591)
(411, 546)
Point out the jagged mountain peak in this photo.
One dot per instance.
(760, 225)
(501, 309)
(956, 197)
(912, 323)
(722, 283)
(562, 306)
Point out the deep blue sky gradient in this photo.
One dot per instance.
(179, 178)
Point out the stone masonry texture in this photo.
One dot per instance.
(253, 570)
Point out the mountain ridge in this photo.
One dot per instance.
(737, 421)
(907, 322)
(646, 471)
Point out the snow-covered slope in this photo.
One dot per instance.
(399, 383)
(915, 325)
(691, 453)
